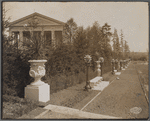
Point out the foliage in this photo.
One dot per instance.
(139, 56)
(65, 66)
(5, 21)
(64, 60)
(62, 81)
(116, 45)
(35, 44)
(69, 30)
(124, 47)
(15, 73)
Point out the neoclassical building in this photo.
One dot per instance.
(49, 28)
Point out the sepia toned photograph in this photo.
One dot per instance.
(75, 60)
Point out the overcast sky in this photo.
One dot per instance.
(131, 17)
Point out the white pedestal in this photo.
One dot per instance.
(39, 93)
(95, 81)
(101, 85)
(117, 73)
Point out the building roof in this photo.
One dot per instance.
(36, 14)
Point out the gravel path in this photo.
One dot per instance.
(119, 97)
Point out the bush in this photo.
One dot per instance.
(64, 60)
(15, 74)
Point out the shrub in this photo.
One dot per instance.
(15, 74)
(64, 60)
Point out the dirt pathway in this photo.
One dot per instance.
(122, 95)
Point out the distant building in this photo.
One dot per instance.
(50, 28)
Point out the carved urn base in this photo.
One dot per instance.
(37, 90)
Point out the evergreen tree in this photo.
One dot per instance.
(122, 45)
(70, 30)
(116, 44)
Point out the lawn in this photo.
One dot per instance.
(143, 72)
(14, 107)
(144, 69)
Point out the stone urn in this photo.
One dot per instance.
(98, 68)
(113, 65)
(37, 90)
(37, 71)
(116, 64)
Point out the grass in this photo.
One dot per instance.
(144, 69)
(14, 107)
(144, 76)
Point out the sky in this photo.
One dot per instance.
(131, 17)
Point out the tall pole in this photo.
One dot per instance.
(87, 79)
(101, 63)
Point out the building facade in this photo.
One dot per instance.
(49, 28)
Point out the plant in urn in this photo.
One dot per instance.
(37, 50)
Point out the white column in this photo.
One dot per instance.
(20, 42)
(31, 33)
(21, 36)
(53, 38)
(42, 34)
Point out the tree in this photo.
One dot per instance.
(122, 45)
(5, 24)
(80, 43)
(116, 44)
(106, 31)
(94, 37)
(106, 34)
(126, 49)
(69, 30)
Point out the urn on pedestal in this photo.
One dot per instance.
(101, 63)
(113, 65)
(37, 90)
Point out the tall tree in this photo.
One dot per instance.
(106, 39)
(5, 24)
(126, 49)
(70, 30)
(106, 31)
(80, 41)
(122, 45)
(116, 44)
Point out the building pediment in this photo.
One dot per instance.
(42, 20)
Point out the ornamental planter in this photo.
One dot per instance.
(116, 65)
(113, 65)
(98, 68)
(37, 90)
